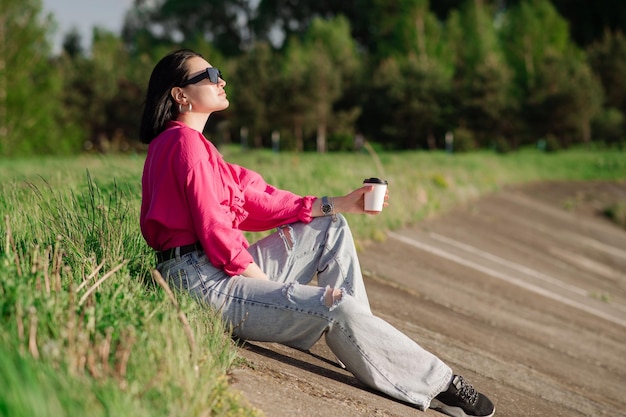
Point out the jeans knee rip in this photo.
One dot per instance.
(332, 297)
(288, 290)
(286, 232)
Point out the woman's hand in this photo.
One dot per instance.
(354, 202)
(254, 271)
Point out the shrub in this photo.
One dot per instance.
(608, 126)
(464, 140)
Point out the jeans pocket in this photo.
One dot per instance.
(192, 273)
(175, 274)
(205, 275)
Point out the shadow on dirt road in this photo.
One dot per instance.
(522, 292)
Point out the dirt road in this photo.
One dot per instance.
(522, 292)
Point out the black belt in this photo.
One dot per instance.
(168, 254)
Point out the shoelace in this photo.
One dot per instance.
(465, 391)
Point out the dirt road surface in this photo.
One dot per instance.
(522, 292)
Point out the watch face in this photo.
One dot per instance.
(326, 207)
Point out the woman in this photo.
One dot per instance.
(194, 208)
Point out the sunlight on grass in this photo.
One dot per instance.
(88, 331)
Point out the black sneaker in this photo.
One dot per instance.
(462, 400)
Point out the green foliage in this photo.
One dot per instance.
(472, 35)
(254, 79)
(565, 99)
(315, 72)
(296, 92)
(483, 83)
(415, 93)
(464, 140)
(32, 390)
(175, 22)
(333, 63)
(30, 88)
(400, 27)
(486, 106)
(93, 223)
(407, 105)
(501, 145)
(401, 72)
(617, 213)
(103, 94)
(551, 143)
(529, 41)
(558, 92)
(607, 58)
(609, 126)
(440, 181)
(85, 330)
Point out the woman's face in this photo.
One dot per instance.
(205, 96)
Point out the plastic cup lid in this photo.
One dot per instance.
(374, 181)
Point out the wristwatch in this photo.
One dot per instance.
(327, 207)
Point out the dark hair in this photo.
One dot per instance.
(159, 107)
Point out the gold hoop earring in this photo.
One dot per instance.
(180, 108)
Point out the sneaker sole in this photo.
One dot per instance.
(453, 411)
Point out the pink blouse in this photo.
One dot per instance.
(190, 194)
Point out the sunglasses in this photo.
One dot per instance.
(212, 73)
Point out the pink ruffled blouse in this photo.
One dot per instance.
(190, 194)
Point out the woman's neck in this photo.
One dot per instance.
(196, 121)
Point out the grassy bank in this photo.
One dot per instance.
(86, 330)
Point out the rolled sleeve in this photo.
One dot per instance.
(268, 206)
(238, 263)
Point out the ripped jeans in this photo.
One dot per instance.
(288, 311)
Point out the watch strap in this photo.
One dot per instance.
(327, 207)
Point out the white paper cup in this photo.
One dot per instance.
(374, 199)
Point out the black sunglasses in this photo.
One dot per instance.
(212, 73)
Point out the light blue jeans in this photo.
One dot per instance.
(286, 310)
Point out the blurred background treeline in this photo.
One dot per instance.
(326, 75)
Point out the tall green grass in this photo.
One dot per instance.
(85, 328)
(88, 330)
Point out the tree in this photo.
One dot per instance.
(223, 23)
(296, 90)
(559, 94)
(30, 86)
(483, 82)
(333, 63)
(254, 82)
(90, 84)
(72, 43)
(529, 32)
(409, 94)
(401, 27)
(565, 99)
(103, 93)
(607, 58)
(588, 20)
(293, 18)
(316, 73)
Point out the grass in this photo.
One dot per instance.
(617, 213)
(86, 327)
(88, 330)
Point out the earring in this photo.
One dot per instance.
(180, 108)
